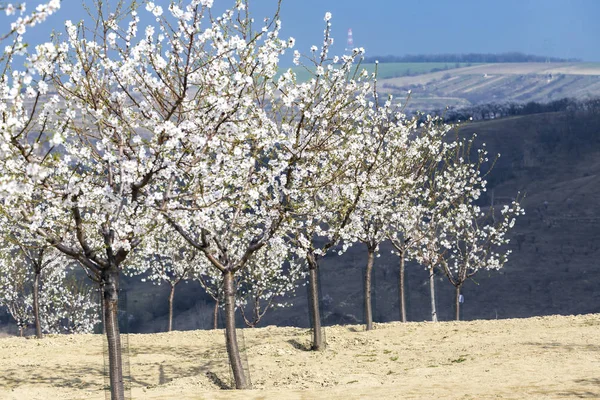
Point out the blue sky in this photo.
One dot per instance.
(560, 28)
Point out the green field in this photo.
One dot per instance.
(393, 70)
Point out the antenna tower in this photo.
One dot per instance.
(350, 42)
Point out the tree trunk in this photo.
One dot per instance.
(171, 296)
(102, 309)
(401, 292)
(313, 304)
(432, 293)
(368, 274)
(36, 305)
(216, 314)
(111, 302)
(233, 351)
(457, 302)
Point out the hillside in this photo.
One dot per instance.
(537, 358)
(505, 82)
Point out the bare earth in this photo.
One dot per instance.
(543, 358)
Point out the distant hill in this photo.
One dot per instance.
(437, 85)
(496, 83)
(485, 58)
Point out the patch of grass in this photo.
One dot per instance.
(459, 360)
(387, 351)
(354, 381)
(394, 358)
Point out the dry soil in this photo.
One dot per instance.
(536, 358)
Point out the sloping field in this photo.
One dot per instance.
(538, 358)
(535, 68)
(506, 82)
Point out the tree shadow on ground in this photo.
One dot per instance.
(211, 363)
(161, 375)
(585, 393)
(214, 378)
(582, 392)
(300, 346)
(563, 346)
(355, 329)
(57, 376)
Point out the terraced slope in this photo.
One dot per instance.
(510, 82)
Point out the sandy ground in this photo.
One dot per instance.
(543, 358)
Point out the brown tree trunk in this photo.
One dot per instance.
(368, 274)
(171, 296)
(313, 304)
(457, 303)
(235, 361)
(216, 314)
(111, 303)
(401, 291)
(432, 293)
(36, 305)
(103, 309)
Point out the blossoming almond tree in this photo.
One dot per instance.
(237, 184)
(12, 111)
(67, 304)
(476, 243)
(331, 146)
(385, 174)
(147, 123)
(224, 194)
(75, 168)
(272, 273)
(17, 255)
(173, 120)
(165, 257)
(455, 178)
(384, 210)
(36, 287)
(405, 209)
(15, 292)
